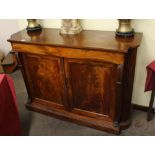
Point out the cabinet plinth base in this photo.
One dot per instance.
(68, 116)
(125, 125)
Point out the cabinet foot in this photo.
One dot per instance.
(124, 125)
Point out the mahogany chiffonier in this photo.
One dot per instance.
(85, 78)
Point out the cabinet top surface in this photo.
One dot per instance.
(87, 39)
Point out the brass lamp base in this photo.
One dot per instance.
(33, 25)
(31, 29)
(124, 29)
(125, 34)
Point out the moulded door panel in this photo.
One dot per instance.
(92, 87)
(45, 77)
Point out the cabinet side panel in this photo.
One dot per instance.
(128, 77)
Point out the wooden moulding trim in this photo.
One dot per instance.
(112, 57)
(52, 105)
(140, 107)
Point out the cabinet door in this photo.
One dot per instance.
(44, 76)
(92, 87)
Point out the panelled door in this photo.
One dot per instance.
(92, 87)
(45, 77)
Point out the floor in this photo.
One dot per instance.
(35, 124)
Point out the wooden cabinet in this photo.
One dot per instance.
(85, 78)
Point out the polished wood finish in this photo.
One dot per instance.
(87, 39)
(85, 78)
(44, 76)
(90, 85)
(112, 57)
